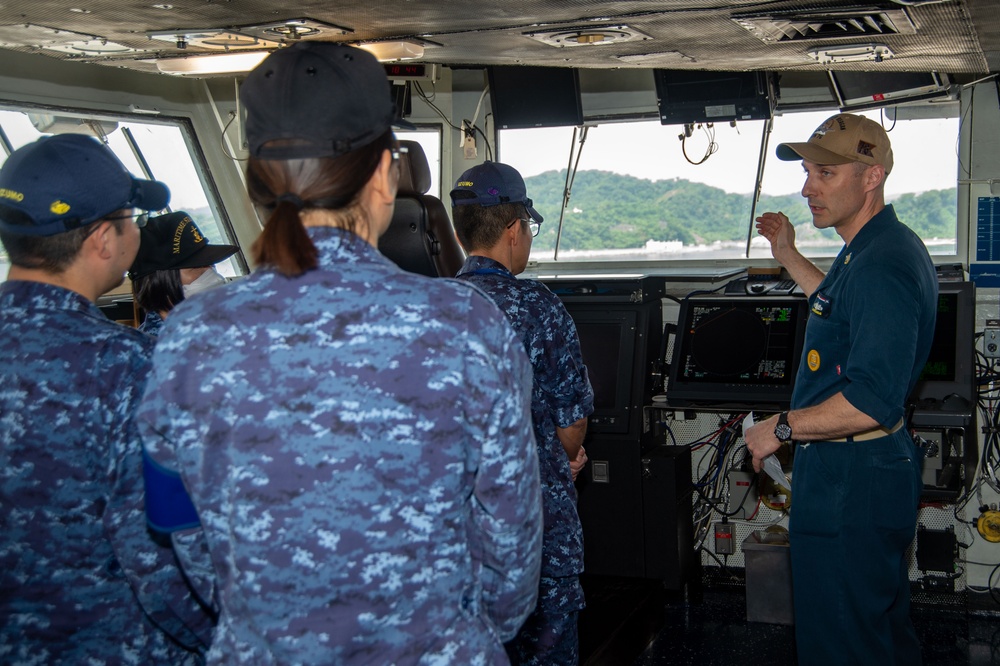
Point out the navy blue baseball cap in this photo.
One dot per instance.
(63, 182)
(315, 99)
(492, 184)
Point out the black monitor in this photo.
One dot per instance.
(607, 342)
(526, 97)
(689, 96)
(737, 352)
(949, 376)
(868, 90)
(620, 339)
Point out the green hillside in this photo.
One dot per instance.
(608, 210)
(611, 211)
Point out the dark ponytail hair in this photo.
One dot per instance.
(285, 187)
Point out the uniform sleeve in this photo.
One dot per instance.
(506, 503)
(884, 305)
(169, 510)
(148, 563)
(558, 362)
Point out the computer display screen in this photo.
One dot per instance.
(685, 96)
(607, 343)
(738, 351)
(941, 364)
(950, 370)
(860, 90)
(526, 97)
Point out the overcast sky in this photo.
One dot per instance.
(925, 153)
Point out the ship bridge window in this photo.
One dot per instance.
(922, 186)
(429, 139)
(162, 149)
(642, 194)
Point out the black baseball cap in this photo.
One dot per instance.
(175, 241)
(492, 184)
(66, 181)
(316, 99)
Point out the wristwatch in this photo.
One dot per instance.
(783, 431)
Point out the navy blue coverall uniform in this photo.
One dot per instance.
(855, 507)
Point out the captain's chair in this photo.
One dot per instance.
(421, 238)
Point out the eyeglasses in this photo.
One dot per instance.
(533, 226)
(140, 220)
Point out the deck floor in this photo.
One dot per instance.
(630, 622)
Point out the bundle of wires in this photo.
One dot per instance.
(988, 383)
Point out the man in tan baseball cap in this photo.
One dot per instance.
(846, 161)
(843, 138)
(857, 471)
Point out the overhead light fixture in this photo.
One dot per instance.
(64, 41)
(214, 40)
(851, 53)
(590, 35)
(91, 47)
(397, 50)
(215, 63)
(292, 30)
(253, 37)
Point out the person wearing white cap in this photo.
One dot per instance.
(857, 470)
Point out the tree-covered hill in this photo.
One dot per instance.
(608, 210)
(611, 211)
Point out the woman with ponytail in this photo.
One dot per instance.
(356, 440)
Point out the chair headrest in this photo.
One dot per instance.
(414, 172)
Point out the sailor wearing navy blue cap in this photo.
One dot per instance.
(495, 222)
(76, 560)
(356, 439)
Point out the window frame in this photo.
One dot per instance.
(632, 265)
(183, 124)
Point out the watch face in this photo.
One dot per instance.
(783, 432)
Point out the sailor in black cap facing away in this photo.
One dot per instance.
(175, 260)
(73, 534)
(356, 439)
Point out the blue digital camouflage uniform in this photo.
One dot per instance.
(561, 395)
(72, 525)
(152, 324)
(357, 443)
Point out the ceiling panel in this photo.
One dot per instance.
(955, 36)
